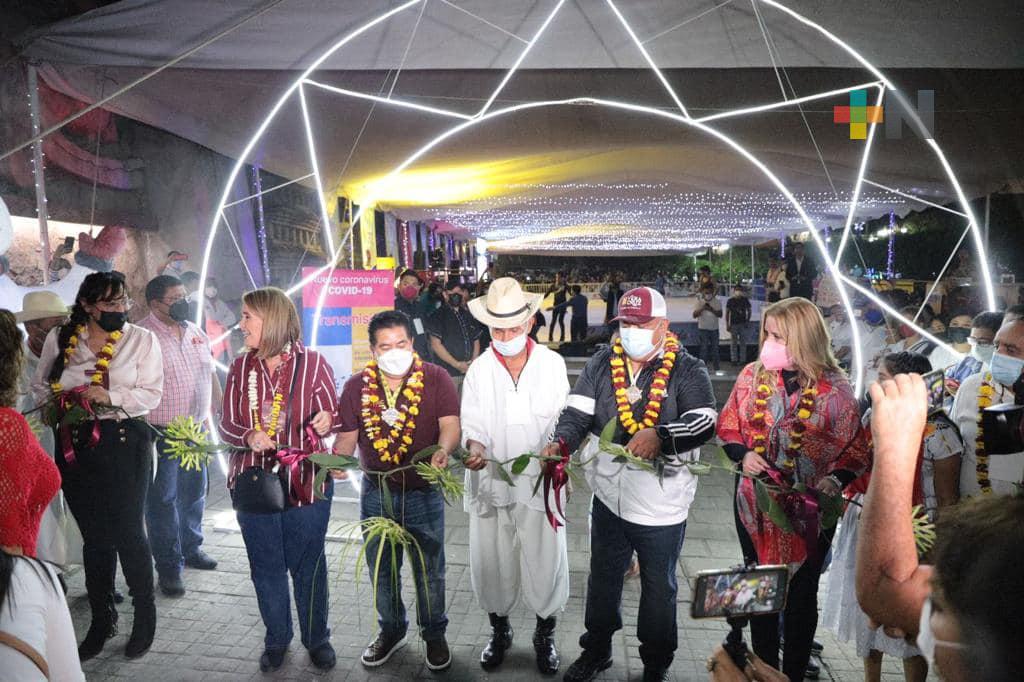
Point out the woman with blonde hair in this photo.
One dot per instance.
(279, 403)
(791, 419)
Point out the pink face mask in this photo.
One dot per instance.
(774, 356)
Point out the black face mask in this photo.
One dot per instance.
(455, 300)
(178, 311)
(110, 321)
(958, 334)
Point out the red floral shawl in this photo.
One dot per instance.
(834, 440)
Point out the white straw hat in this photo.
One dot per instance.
(506, 305)
(38, 305)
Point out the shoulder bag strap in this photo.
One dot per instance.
(24, 647)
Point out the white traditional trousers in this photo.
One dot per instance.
(515, 553)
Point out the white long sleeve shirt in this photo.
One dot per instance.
(136, 371)
(510, 419)
(1004, 471)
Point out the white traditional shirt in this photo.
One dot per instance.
(1004, 471)
(510, 419)
(27, 399)
(136, 372)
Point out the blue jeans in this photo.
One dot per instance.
(292, 542)
(612, 543)
(174, 513)
(421, 512)
(709, 347)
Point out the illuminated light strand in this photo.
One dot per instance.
(890, 252)
(861, 171)
(732, 113)
(519, 60)
(916, 198)
(320, 195)
(264, 192)
(386, 100)
(647, 57)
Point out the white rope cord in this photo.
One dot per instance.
(238, 248)
(408, 45)
(494, 26)
(95, 170)
(942, 272)
(771, 52)
(145, 77)
(814, 141)
(916, 198)
(684, 22)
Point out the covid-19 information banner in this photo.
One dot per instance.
(352, 298)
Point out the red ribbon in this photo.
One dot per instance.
(65, 401)
(555, 479)
(802, 511)
(293, 459)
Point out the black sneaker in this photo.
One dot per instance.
(201, 560)
(271, 659)
(323, 656)
(817, 647)
(586, 667)
(380, 650)
(652, 674)
(171, 585)
(813, 671)
(439, 656)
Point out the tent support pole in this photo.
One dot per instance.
(40, 175)
(37, 136)
(752, 267)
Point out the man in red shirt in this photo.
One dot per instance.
(397, 406)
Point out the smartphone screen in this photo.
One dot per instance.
(69, 243)
(936, 385)
(743, 592)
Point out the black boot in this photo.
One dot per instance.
(501, 640)
(102, 628)
(143, 628)
(544, 646)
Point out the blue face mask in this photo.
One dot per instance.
(637, 341)
(1006, 370)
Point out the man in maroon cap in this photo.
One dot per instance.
(662, 401)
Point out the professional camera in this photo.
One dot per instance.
(1003, 425)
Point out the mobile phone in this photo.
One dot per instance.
(740, 592)
(935, 381)
(69, 243)
(180, 256)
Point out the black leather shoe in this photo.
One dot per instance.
(201, 560)
(586, 667)
(817, 647)
(118, 597)
(271, 659)
(652, 674)
(323, 656)
(102, 628)
(544, 646)
(500, 642)
(813, 671)
(380, 650)
(439, 656)
(171, 585)
(143, 628)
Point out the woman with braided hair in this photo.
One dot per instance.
(99, 361)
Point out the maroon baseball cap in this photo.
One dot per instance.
(640, 306)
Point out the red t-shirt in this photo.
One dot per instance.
(440, 399)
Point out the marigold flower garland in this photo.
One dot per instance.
(805, 408)
(652, 411)
(985, 394)
(402, 429)
(103, 358)
(276, 403)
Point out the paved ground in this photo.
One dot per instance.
(215, 632)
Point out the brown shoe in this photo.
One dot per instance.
(439, 657)
(380, 650)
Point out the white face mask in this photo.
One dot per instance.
(637, 341)
(982, 353)
(926, 641)
(211, 292)
(395, 362)
(510, 349)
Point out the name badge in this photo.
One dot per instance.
(417, 324)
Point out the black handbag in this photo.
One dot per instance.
(258, 491)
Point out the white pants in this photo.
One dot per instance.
(514, 552)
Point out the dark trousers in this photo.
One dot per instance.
(106, 491)
(290, 542)
(578, 329)
(559, 317)
(709, 343)
(800, 618)
(612, 543)
(421, 512)
(174, 513)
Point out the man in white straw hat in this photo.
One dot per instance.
(511, 399)
(59, 539)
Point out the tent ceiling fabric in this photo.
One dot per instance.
(556, 177)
